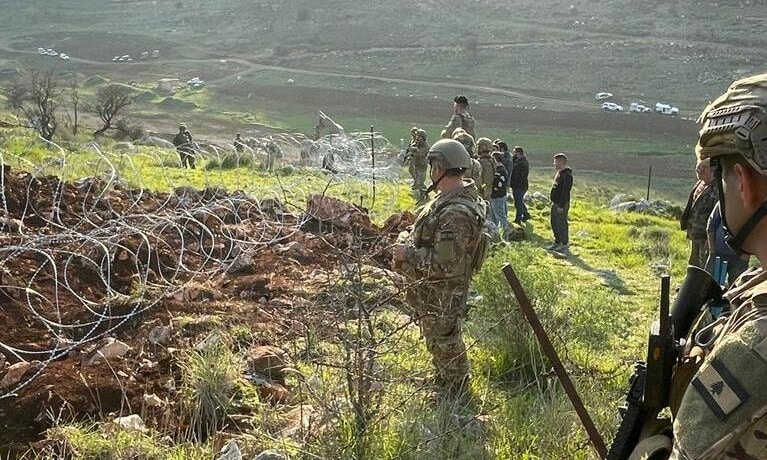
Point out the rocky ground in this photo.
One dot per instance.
(103, 288)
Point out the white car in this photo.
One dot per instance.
(51, 52)
(41, 51)
(116, 58)
(639, 108)
(64, 56)
(600, 96)
(612, 107)
(666, 109)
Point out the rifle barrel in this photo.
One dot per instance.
(548, 349)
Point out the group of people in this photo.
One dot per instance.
(494, 169)
(703, 223)
(449, 241)
(722, 411)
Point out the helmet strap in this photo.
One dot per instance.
(735, 241)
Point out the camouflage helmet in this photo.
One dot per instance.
(484, 144)
(450, 154)
(736, 123)
(466, 140)
(421, 132)
(414, 130)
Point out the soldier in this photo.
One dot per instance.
(239, 144)
(461, 118)
(484, 151)
(475, 171)
(694, 218)
(416, 158)
(439, 256)
(184, 146)
(723, 413)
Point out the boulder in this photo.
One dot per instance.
(15, 373)
(271, 454)
(268, 361)
(159, 335)
(130, 423)
(111, 349)
(230, 451)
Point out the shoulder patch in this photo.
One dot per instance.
(720, 390)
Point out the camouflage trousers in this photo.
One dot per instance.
(418, 173)
(444, 341)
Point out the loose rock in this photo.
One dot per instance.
(269, 361)
(271, 454)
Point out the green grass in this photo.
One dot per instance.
(596, 305)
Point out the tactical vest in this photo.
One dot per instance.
(729, 388)
(425, 228)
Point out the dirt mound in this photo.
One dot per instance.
(83, 264)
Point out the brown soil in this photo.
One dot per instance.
(70, 277)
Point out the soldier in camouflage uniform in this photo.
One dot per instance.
(438, 257)
(461, 119)
(723, 413)
(484, 152)
(695, 216)
(416, 158)
(475, 170)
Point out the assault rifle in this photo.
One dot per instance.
(649, 386)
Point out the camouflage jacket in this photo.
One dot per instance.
(442, 246)
(723, 414)
(461, 120)
(701, 202)
(485, 184)
(475, 172)
(417, 152)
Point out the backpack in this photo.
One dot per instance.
(485, 233)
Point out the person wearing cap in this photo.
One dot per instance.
(519, 183)
(415, 156)
(700, 203)
(560, 204)
(461, 119)
(723, 409)
(184, 146)
(438, 257)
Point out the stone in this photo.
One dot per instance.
(230, 451)
(273, 392)
(130, 423)
(159, 335)
(112, 349)
(268, 361)
(271, 454)
(152, 400)
(15, 373)
(299, 420)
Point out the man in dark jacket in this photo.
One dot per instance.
(560, 204)
(518, 183)
(701, 202)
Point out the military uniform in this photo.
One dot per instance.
(417, 166)
(485, 184)
(440, 257)
(694, 218)
(723, 414)
(463, 120)
(185, 148)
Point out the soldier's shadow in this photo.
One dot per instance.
(609, 278)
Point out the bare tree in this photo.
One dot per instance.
(75, 99)
(111, 101)
(40, 106)
(16, 93)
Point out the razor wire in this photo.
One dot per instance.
(79, 258)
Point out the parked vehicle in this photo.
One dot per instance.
(64, 56)
(666, 109)
(603, 95)
(639, 108)
(612, 107)
(41, 51)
